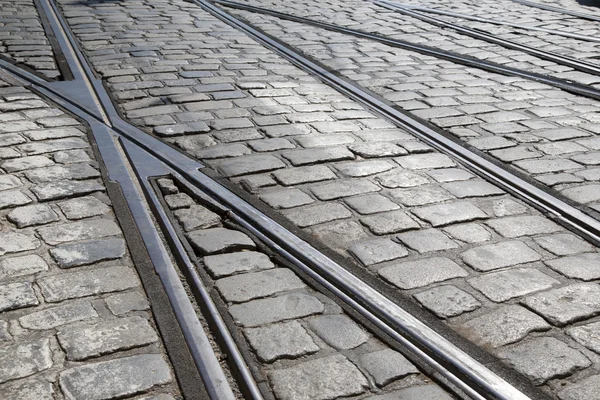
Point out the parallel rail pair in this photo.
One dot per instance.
(125, 148)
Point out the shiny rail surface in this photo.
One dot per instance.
(589, 17)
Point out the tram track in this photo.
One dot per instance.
(86, 98)
(151, 158)
(578, 65)
(563, 84)
(564, 11)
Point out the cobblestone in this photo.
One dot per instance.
(414, 274)
(564, 305)
(249, 286)
(281, 308)
(500, 255)
(505, 285)
(324, 378)
(24, 359)
(447, 301)
(544, 358)
(286, 340)
(338, 331)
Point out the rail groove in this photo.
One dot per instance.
(578, 65)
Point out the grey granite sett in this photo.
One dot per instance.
(37, 214)
(17, 295)
(321, 379)
(401, 178)
(92, 340)
(502, 326)
(447, 301)
(583, 194)
(371, 204)
(62, 189)
(83, 253)
(285, 340)
(472, 188)
(389, 222)
(81, 230)
(196, 217)
(414, 274)
(377, 250)
(287, 198)
(24, 359)
(585, 267)
(585, 389)
(275, 309)
(505, 285)
(505, 254)
(386, 366)
(587, 335)
(428, 391)
(512, 227)
(425, 240)
(83, 207)
(425, 161)
(222, 265)
(421, 195)
(312, 215)
(567, 304)
(219, 240)
(23, 265)
(115, 378)
(449, 213)
(295, 176)
(53, 317)
(469, 233)
(343, 188)
(252, 285)
(544, 358)
(338, 331)
(249, 165)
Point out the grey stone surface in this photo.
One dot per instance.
(196, 217)
(275, 309)
(313, 215)
(469, 233)
(85, 283)
(370, 204)
(115, 378)
(17, 295)
(449, 213)
(24, 359)
(567, 304)
(286, 198)
(62, 189)
(585, 267)
(562, 244)
(585, 389)
(429, 392)
(123, 303)
(339, 235)
(83, 253)
(252, 285)
(14, 242)
(13, 198)
(249, 164)
(386, 366)
(512, 227)
(447, 301)
(504, 285)
(344, 188)
(31, 389)
(92, 340)
(83, 207)
(377, 250)
(422, 195)
(389, 222)
(502, 326)
(81, 230)
(504, 254)
(583, 194)
(325, 378)
(472, 188)
(219, 240)
(588, 335)
(285, 340)
(418, 273)
(426, 240)
(23, 265)
(295, 176)
(401, 178)
(36, 214)
(59, 315)
(222, 265)
(425, 161)
(544, 358)
(338, 331)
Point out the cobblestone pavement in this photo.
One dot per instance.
(507, 10)
(22, 37)
(74, 319)
(542, 131)
(303, 341)
(495, 270)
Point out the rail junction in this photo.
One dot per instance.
(259, 199)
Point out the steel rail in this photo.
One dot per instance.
(578, 65)
(470, 375)
(577, 14)
(498, 22)
(563, 84)
(87, 98)
(454, 363)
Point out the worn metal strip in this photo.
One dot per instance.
(590, 17)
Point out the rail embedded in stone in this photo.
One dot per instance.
(546, 7)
